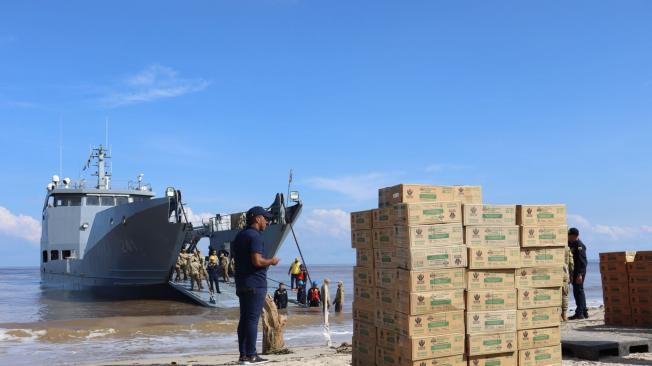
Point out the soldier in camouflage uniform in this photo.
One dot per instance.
(196, 272)
(565, 290)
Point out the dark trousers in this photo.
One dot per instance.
(213, 283)
(251, 305)
(580, 298)
(293, 281)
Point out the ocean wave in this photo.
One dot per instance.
(20, 335)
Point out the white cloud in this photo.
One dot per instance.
(153, 83)
(332, 222)
(358, 187)
(196, 218)
(614, 232)
(20, 226)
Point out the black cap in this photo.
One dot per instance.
(256, 211)
(573, 231)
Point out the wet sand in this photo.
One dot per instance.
(322, 355)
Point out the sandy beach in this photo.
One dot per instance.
(322, 355)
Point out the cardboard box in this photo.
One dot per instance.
(490, 300)
(538, 318)
(500, 321)
(542, 356)
(642, 311)
(484, 257)
(541, 257)
(467, 194)
(615, 290)
(540, 215)
(642, 322)
(425, 236)
(383, 197)
(623, 309)
(610, 267)
(495, 279)
(538, 337)
(361, 239)
(430, 279)
(361, 220)
(387, 356)
(364, 258)
(363, 276)
(613, 302)
(364, 332)
(383, 238)
(363, 314)
(412, 214)
(457, 360)
(544, 236)
(419, 193)
(495, 215)
(415, 303)
(423, 348)
(483, 344)
(386, 258)
(640, 267)
(615, 278)
(539, 277)
(636, 290)
(364, 296)
(432, 258)
(640, 279)
(529, 298)
(643, 256)
(388, 340)
(500, 359)
(383, 217)
(618, 319)
(363, 353)
(386, 278)
(492, 236)
(617, 257)
(422, 325)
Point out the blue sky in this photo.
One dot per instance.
(538, 103)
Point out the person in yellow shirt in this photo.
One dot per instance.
(295, 269)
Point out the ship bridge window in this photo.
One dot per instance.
(66, 254)
(45, 256)
(92, 201)
(68, 201)
(54, 255)
(139, 198)
(121, 200)
(107, 201)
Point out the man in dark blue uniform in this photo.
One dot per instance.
(251, 281)
(579, 273)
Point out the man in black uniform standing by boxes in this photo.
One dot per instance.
(579, 273)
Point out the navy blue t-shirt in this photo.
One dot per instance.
(248, 241)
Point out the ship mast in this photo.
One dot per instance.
(100, 153)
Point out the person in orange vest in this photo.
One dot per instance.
(314, 297)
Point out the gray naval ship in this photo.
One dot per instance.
(127, 240)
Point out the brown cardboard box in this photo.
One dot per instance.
(529, 298)
(387, 356)
(383, 238)
(618, 319)
(544, 236)
(483, 344)
(430, 324)
(610, 267)
(423, 348)
(383, 197)
(500, 359)
(615, 278)
(640, 279)
(411, 214)
(364, 258)
(622, 309)
(640, 295)
(364, 332)
(467, 194)
(387, 339)
(493, 279)
(643, 256)
(383, 217)
(538, 337)
(386, 278)
(643, 322)
(432, 258)
(363, 314)
(500, 321)
(361, 239)
(419, 193)
(642, 311)
(540, 215)
(539, 277)
(541, 257)
(425, 236)
(494, 215)
(636, 290)
(538, 318)
(385, 319)
(361, 220)
(425, 279)
(457, 360)
(363, 276)
(364, 296)
(620, 291)
(542, 356)
(492, 236)
(617, 257)
(363, 353)
(386, 258)
(494, 258)
(611, 303)
(641, 267)
(415, 303)
(490, 300)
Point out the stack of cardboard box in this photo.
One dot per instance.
(492, 237)
(544, 236)
(627, 288)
